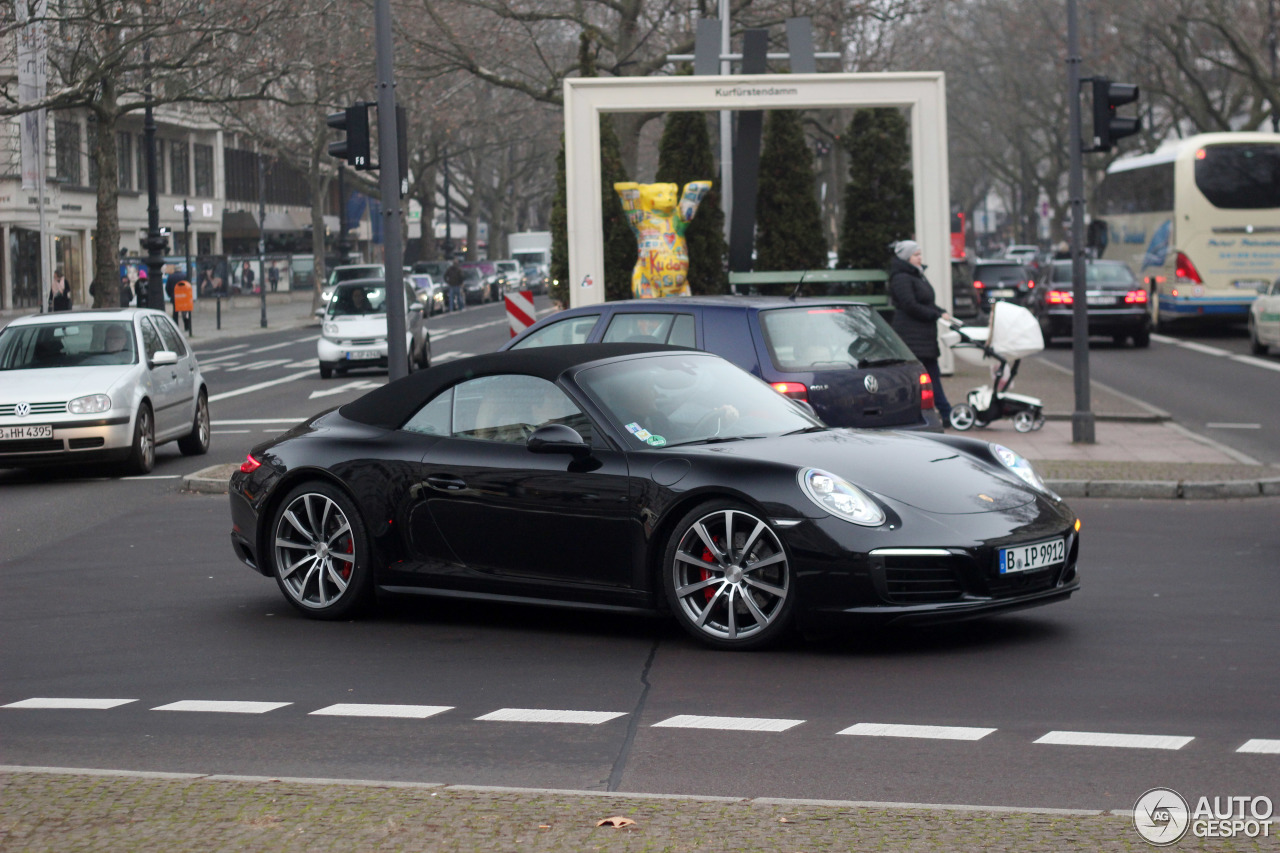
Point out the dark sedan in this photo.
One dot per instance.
(638, 478)
(1118, 304)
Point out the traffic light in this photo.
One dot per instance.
(354, 121)
(1107, 126)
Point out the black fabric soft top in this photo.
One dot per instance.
(393, 404)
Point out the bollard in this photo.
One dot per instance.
(218, 299)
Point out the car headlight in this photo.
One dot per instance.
(1020, 466)
(840, 497)
(89, 405)
(330, 330)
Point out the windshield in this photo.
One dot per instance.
(354, 300)
(822, 337)
(70, 344)
(676, 399)
(350, 273)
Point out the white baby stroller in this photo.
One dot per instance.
(1012, 334)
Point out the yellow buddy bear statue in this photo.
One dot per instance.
(662, 268)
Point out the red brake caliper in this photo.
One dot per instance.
(351, 549)
(707, 558)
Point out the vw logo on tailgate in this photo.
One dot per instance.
(22, 409)
(871, 384)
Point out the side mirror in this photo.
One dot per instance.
(164, 357)
(558, 438)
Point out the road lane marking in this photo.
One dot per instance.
(539, 715)
(258, 365)
(229, 431)
(1233, 426)
(447, 356)
(216, 707)
(255, 421)
(728, 724)
(933, 732)
(201, 353)
(358, 385)
(84, 704)
(1242, 458)
(1216, 351)
(1257, 362)
(409, 712)
(1261, 746)
(1207, 350)
(285, 344)
(313, 363)
(1105, 739)
(249, 389)
(435, 336)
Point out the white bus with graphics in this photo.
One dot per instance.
(1199, 221)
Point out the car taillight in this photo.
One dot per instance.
(1031, 282)
(926, 391)
(1186, 271)
(249, 464)
(794, 390)
(1059, 297)
(978, 284)
(1136, 296)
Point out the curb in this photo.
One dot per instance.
(1165, 489)
(1116, 417)
(213, 480)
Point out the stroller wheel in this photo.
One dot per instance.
(1024, 421)
(962, 417)
(1039, 422)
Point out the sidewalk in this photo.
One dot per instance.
(242, 315)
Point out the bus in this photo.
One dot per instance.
(1199, 220)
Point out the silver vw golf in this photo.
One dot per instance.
(106, 385)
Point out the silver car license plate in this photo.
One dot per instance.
(1003, 293)
(1030, 558)
(362, 355)
(26, 431)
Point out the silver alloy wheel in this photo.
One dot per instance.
(144, 442)
(730, 575)
(315, 550)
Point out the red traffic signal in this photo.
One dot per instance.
(1107, 126)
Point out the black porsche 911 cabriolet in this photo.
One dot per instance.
(633, 477)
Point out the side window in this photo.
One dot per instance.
(151, 338)
(168, 334)
(435, 417)
(509, 408)
(682, 332)
(639, 328)
(574, 330)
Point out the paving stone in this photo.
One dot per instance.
(1222, 489)
(1133, 489)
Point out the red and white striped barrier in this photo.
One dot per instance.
(520, 311)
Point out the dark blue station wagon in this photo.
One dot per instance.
(839, 356)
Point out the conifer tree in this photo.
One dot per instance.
(684, 156)
(788, 218)
(879, 207)
(559, 224)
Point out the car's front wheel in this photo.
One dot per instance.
(320, 552)
(142, 456)
(196, 443)
(728, 577)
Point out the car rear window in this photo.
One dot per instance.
(655, 328)
(1000, 272)
(824, 337)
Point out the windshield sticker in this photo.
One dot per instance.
(655, 441)
(639, 431)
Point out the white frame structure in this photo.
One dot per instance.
(924, 93)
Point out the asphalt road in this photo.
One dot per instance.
(1207, 379)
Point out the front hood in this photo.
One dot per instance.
(58, 384)
(366, 326)
(911, 468)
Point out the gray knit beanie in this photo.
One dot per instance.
(905, 249)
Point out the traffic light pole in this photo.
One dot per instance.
(1082, 420)
(389, 183)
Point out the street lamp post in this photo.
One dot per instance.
(1082, 420)
(155, 242)
(262, 241)
(389, 183)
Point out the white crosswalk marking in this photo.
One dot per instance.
(1261, 746)
(538, 715)
(449, 356)
(728, 724)
(932, 732)
(1116, 740)
(83, 704)
(217, 707)
(413, 712)
(259, 365)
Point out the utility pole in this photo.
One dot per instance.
(1082, 420)
(389, 183)
(155, 242)
(262, 240)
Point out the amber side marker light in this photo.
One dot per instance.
(1077, 525)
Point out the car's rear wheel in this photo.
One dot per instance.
(142, 457)
(196, 443)
(728, 577)
(1142, 338)
(320, 553)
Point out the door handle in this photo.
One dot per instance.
(446, 483)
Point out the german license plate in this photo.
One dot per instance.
(26, 431)
(1029, 558)
(362, 355)
(1003, 293)
(1102, 300)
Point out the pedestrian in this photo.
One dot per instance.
(60, 296)
(126, 291)
(246, 278)
(916, 314)
(273, 277)
(140, 288)
(453, 280)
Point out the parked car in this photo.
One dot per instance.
(1118, 306)
(105, 385)
(347, 272)
(965, 303)
(428, 292)
(354, 332)
(475, 288)
(838, 356)
(512, 274)
(537, 476)
(534, 278)
(1264, 318)
(490, 281)
(996, 280)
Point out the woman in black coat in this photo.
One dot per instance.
(916, 314)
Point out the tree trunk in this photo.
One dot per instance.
(106, 237)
